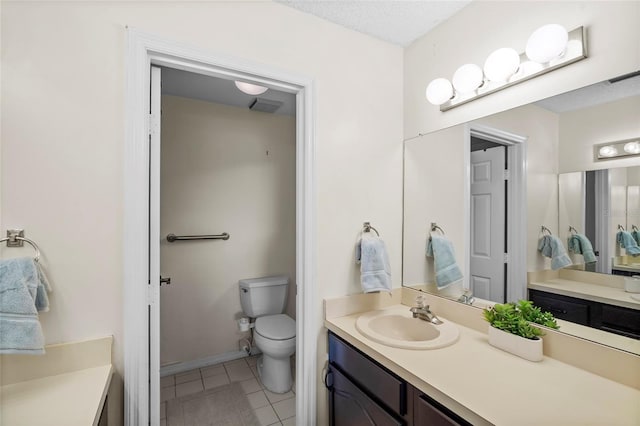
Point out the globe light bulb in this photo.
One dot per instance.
(546, 43)
(607, 151)
(467, 78)
(439, 91)
(250, 89)
(632, 147)
(501, 64)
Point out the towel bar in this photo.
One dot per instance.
(435, 226)
(621, 228)
(573, 230)
(15, 238)
(544, 228)
(172, 237)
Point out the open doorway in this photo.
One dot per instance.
(142, 217)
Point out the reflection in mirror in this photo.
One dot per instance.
(564, 186)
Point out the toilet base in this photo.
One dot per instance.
(275, 373)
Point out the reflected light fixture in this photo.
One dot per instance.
(611, 150)
(548, 48)
(250, 89)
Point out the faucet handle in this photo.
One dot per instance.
(420, 301)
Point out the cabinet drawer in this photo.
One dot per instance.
(562, 307)
(428, 412)
(352, 407)
(377, 381)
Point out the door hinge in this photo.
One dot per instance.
(505, 258)
(507, 174)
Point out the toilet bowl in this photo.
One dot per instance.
(274, 335)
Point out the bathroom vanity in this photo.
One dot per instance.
(470, 381)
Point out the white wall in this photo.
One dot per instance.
(62, 139)
(580, 130)
(224, 169)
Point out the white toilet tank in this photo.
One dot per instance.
(264, 296)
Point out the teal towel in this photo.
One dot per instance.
(580, 244)
(444, 259)
(636, 236)
(551, 246)
(375, 272)
(23, 292)
(626, 241)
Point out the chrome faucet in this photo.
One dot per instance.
(422, 312)
(467, 298)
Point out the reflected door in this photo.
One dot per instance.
(487, 274)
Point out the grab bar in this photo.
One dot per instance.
(172, 237)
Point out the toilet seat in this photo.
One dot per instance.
(276, 327)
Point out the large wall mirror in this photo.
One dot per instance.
(494, 218)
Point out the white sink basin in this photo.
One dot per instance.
(396, 327)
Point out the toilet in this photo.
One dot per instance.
(274, 332)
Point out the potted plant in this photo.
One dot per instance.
(511, 328)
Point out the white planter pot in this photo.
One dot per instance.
(524, 348)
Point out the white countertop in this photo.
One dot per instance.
(69, 399)
(595, 292)
(488, 386)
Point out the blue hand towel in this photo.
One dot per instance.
(444, 259)
(626, 241)
(23, 292)
(636, 236)
(375, 272)
(580, 244)
(551, 246)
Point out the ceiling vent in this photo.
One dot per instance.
(265, 105)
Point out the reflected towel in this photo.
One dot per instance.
(626, 241)
(444, 259)
(580, 244)
(636, 236)
(375, 272)
(551, 246)
(23, 292)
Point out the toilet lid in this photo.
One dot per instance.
(276, 327)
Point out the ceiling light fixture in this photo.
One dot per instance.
(548, 48)
(610, 150)
(250, 89)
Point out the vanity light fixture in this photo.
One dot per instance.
(250, 89)
(548, 48)
(611, 150)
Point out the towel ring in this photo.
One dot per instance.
(634, 228)
(434, 227)
(544, 229)
(13, 238)
(620, 228)
(367, 228)
(573, 230)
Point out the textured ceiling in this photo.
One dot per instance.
(399, 22)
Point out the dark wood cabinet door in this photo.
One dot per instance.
(427, 412)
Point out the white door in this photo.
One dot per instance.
(487, 254)
(154, 248)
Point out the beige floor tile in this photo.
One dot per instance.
(167, 381)
(167, 393)
(188, 388)
(215, 381)
(188, 376)
(266, 416)
(291, 421)
(251, 385)
(277, 397)
(285, 409)
(163, 410)
(252, 360)
(213, 370)
(257, 399)
(235, 362)
(239, 372)
(254, 370)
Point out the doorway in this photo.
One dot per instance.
(142, 218)
(496, 242)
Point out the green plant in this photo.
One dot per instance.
(516, 318)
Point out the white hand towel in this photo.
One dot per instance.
(371, 255)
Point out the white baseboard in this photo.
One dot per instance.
(181, 367)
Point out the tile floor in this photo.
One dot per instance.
(270, 408)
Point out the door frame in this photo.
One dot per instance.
(516, 206)
(143, 50)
